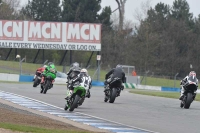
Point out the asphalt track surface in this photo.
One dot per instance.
(147, 112)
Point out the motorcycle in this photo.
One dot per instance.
(113, 91)
(48, 84)
(76, 99)
(190, 87)
(37, 79)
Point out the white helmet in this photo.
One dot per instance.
(84, 71)
(45, 66)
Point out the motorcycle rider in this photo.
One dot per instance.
(50, 70)
(40, 69)
(114, 73)
(73, 72)
(183, 81)
(84, 80)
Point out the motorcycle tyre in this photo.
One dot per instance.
(74, 103)
(113, 95)
(188, 100)
(46, 86)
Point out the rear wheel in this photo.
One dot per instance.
(74, 103)
(113, 95)
(188, 100)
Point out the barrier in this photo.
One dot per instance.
(146, 87)
(129, 85)
(170, 89)
(9, 77)
(25, 78)
(28, 78)
(97, 83)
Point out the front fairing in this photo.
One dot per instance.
(79, 90)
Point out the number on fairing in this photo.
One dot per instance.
(85, 81)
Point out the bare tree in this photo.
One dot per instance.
(9, 9)
(141, 13)
(121, 8)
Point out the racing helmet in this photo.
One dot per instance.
(84, 71)
(50, 63)
(192, 73)
(45, 66)
(75, 64)
(119, 66)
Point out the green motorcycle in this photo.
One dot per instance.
(76, 99)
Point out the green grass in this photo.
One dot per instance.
(32, 129)
(160, 82)
(13, 67)
(29, 68)
(174, 95)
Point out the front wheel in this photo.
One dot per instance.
(46, 86)
(188, 100)
(74, 103)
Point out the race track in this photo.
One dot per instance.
(151, 113)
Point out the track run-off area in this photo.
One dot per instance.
(129, 113)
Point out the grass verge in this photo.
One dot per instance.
(174, 95)
(32, 129)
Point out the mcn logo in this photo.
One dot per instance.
(11, 30)
(85, 33)
(45, 31)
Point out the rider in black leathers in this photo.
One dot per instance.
(73, 72)
(115, 72)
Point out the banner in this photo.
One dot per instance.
(50, 35)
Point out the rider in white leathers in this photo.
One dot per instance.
(183, 81)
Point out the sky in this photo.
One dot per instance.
(132, 5)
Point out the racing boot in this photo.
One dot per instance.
(182, 93)
(88, 94)
(70, 92)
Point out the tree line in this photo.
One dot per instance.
(165, 42)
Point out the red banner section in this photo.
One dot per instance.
(45, 31)
(50, 35)
(86, 33)
(11, 30)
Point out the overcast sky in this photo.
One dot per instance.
(132, 5)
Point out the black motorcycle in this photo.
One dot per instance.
(190, 87)
(113, 90)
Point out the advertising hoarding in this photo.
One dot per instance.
(50, 35)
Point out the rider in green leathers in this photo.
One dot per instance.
(49, 71)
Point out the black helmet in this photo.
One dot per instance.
(119, 66)
(75, 64)
(192, 73)
(50, 63)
